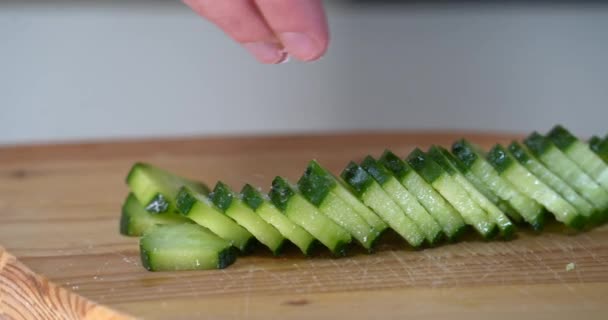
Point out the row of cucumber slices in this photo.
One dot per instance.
(424, 198)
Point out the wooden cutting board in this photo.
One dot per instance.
(59, 210)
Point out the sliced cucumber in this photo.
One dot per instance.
(579, 152)
(600, 147)
(184, 247)
(452, 191)
(157, 189)
(372, 194)
(289, 200)
(443, 157)
(135, 220)
(556, 161)
(342, 190)
(316, 187)
(261, 205)
(198, 208)
(526, 159)
(487, 192)
(230, 204)
(528, 208)
(448, 218)
(529, 184)
(402, 197)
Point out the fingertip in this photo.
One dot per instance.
(303, 46)
(267, 53)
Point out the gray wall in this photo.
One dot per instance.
(74, 72)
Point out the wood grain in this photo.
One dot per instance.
(26, 295)
(59, 208)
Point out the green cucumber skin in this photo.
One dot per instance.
(230, 204)
(135, 221)
(398, 167)
(200, 209)
(321, 179)
(579, 152)
(451, 222)
(280, 193)
(436, 155)
(357, 178)
(377, 171)
(222, 196)
(536, 189)
(561, 137)
(303, 213)
(424, 166)
(600, 147)
(267, 211)
(198, 249)
(527, 208)
(252, 197)
(406, 201)
(556, 161)
(530, 162)
(316, 186)
(156, 188)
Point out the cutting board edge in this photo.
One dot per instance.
(25, 294)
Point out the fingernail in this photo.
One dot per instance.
(285, 59)
(266, 52)
(301, 45)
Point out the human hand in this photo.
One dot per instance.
(270, 29)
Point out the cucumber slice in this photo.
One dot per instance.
(443, 157)
(487, 192)
(448, 218)
(600, 147)
(529, 184)
(261, 205)
(135, 220)
(316, 187)
(342, 190)
(184, 247)
(579, 152)
(198, 208)
(157, 189)
(451, 190)
(556, 161)
(402, 197)
(372, 194)
(528, 208)
(230, 204)
(289, 200)
(552, 180)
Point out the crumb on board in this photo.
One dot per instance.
(570, 266)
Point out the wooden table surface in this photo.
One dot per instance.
(59, 211)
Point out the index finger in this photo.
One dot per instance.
(300, 25)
